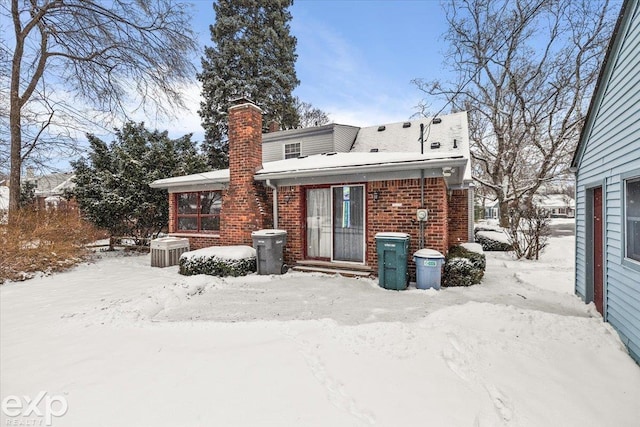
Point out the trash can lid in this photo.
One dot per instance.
(428, 253)
(269, 232)
(392, 235)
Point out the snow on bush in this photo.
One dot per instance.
(219, 261)
(463, 266)
(493, 240)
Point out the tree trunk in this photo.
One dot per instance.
(16, 160)
(504, 214)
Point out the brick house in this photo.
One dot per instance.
(332, 188)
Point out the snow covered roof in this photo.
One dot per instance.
(392, 147)
(447, 134)
(405, 136)
(220, 176)
(554, 200)
(341, 163)
(52, 184)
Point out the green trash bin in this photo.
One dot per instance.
(393, 249)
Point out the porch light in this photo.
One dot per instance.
(447, 171)
(376, 195)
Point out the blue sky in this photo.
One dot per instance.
(355, 58)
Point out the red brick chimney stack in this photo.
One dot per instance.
(274, 126)
(243, 207)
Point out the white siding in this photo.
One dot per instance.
(344, 137)
(312, 141)
(613, 148)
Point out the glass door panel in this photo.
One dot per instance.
(319, 223)
(348, 223)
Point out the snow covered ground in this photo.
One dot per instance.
(124, 344)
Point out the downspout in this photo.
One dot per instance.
(275, 202)
(421, 237)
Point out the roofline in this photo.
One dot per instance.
(294, 133)
(195, 181)
(614, 43)
(457, 161)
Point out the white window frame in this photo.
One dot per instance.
(292, 144)
(625, 178)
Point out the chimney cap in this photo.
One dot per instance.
(241, 99)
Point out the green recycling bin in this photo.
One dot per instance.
(393, 249)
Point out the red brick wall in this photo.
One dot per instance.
(172, 213)
(244, 208)
(458, 217)
(290, 217)
(394, 211)
(385, 215)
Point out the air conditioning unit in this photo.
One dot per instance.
(166, 251)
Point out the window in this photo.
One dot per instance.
(292, 151)
(199, 211)
(632, 218)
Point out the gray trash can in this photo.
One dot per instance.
(428, 268)
(269, 246)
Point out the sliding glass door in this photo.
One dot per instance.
(319, 223)
(335, 223)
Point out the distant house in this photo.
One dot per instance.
(4, 202)
(557, 206)
(50, 189)
(332, 188)
(607, 167)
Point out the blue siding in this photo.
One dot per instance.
(612, 148)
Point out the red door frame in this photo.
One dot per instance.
(598, 247)
(304, 189)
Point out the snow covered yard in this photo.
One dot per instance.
(129, 345)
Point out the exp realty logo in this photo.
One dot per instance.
(37, 411)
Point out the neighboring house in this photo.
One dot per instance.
(607, 167)
(50, 189)
(332, 188)
(557, 205)
(490, 208)
(4, 203)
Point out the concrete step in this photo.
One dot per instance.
(329, 270)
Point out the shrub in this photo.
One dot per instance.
(219, 262)
(463, 267)
(493, 240)
(43, 241)
(529, 230)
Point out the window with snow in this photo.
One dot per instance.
(632, 218)
(292, 151)
(198, 211)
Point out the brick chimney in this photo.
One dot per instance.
(274, 126)
(243, 205)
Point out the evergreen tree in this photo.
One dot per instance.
(112, 184)
(253, 55)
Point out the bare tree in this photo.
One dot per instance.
(115, 56)
(525, 70)
(309, 115)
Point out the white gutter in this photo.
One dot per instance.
(275, 202)
(371, 168)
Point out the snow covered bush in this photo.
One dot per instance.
(529, 230)
(492, 238)
(219, 261)
(464, 265)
